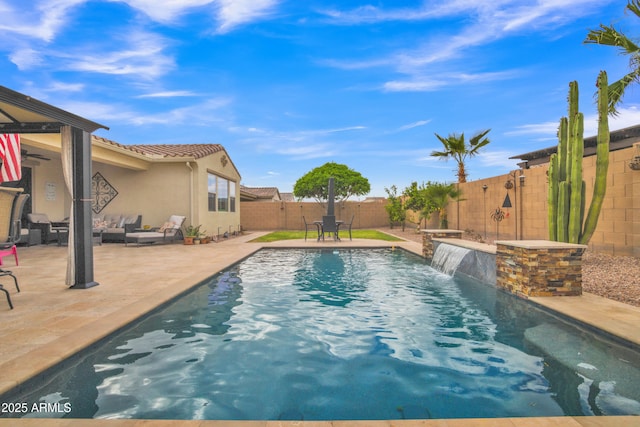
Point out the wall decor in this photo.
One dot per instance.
(103, 193)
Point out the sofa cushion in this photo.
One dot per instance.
(38, 218)
(128, 219)
(113, 220)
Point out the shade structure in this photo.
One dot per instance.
(331, 198)
(21, 114)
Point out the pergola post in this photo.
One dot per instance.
(82, 219)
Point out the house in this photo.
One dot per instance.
(260, 194)
(198, 181)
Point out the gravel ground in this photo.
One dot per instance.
(613, 277)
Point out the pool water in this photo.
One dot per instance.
(348, 334)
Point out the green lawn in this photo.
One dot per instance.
(356, 234)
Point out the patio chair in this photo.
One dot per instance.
(8, 247)
(349, 226)
(8, 243)
(308, 225)
(329, 225)
(167, 233)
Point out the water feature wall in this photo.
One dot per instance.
(447, 258)
(452, 255)
(428, 247)
(537, 268)
(528, 268)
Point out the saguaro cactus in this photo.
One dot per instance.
(566, 195)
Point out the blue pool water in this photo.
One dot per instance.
(349, 334)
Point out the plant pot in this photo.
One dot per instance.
(205, 240)
(196, 241)
(188, 240)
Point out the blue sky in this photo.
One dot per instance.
(286, 86)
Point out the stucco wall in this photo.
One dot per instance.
(166, 189)
(49, 193)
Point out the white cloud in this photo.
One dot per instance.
(26, 58)
(141, 56)
(195, 115)
(628, 116)
(498, 159)
(42, 20)
(413, 125)
(485, 22)
(434, 82)
(165, 11)
(167, 94)
(232, 13)
(545, 128)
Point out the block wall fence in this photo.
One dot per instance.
(288, 215)
(618, 231)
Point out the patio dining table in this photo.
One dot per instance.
(320, 226)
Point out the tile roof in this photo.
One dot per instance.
(178, 150)
(168, 150)
(261, 192)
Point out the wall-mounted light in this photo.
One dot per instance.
(522, 180)
(635, 163)
(484, 188)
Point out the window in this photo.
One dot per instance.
(211, 190)
(232, 195)
(222, 194)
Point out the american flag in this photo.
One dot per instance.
(11, 169)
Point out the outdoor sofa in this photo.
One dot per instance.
(115, 226)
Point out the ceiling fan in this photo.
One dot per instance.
(25, 155)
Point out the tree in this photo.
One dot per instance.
(438, 195)
(415, 199)
(347, 183)
(429, 198)
(456, 147)
(395, 208)
(609, 36)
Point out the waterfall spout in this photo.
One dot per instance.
(447, 258)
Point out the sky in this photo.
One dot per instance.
(287, 85)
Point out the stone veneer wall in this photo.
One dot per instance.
(534, 268)
(428, 247)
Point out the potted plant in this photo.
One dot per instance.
(191, 233)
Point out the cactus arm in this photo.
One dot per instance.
(602, 160)
(562, 149)
(576, 140)
(552, 199)
(571, 123)
(563, 211)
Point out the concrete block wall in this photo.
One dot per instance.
(618, 231)
(288, 215)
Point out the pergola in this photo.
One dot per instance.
(22, 114)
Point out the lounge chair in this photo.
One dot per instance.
(167, 233)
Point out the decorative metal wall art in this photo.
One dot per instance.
(103, 193)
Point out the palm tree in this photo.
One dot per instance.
(437, 197)
(609, 36)
(455, 146)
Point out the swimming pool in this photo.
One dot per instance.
(349, 334)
